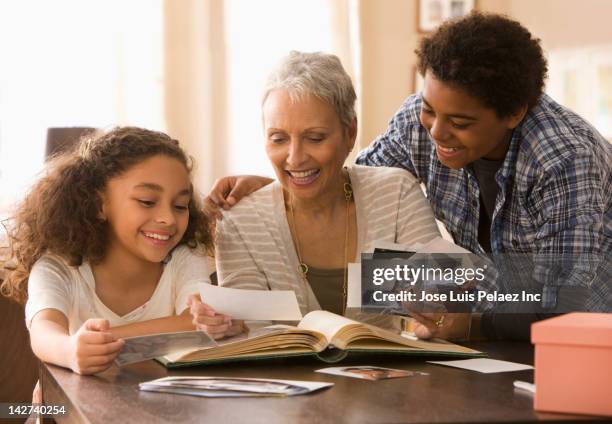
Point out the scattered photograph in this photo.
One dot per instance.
(367, 372)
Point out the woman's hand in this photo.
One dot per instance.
(212, 323)
(448, 326)
(92, 349)
(228, 191)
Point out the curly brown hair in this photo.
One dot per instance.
(489, 56)
(60, 214)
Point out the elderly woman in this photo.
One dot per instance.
(300, 232)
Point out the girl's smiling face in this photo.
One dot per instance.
(461, 127)
(147, 208)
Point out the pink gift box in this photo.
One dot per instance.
(573, 363)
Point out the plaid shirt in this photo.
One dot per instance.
(553, 199)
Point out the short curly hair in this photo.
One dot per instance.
(489, 56)
(319, 74)
(60, 214)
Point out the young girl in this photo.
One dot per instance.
(109, 244)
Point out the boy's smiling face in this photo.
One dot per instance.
(461, 127)
(147, 208)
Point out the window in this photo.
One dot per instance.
(581, 80)
(254, 46)
(73, 63)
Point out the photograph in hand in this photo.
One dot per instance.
(142, 348)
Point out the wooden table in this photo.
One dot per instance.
(446, 395)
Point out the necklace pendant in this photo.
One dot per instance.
(348, 191)
(303, 269)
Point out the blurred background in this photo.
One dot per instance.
(195, 68)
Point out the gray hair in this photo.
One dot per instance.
(319, 74)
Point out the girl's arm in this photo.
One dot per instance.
(90, 350)
(171, 324)
(198, 317)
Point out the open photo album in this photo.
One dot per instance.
(324, 335)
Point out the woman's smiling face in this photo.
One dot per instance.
(461, 127)
(306, 143)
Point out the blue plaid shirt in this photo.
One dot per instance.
(554, 189)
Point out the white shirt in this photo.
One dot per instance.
(53, 284)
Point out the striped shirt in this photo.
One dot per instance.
(553, 199)
(255, 249)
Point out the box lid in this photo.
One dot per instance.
(576, 328)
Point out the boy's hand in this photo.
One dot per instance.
(447, 326)
(93, 348)
(214, 324)
(228, 191)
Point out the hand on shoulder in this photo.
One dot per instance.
(228, 191)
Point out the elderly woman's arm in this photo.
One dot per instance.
(236, 266)
(415, 221)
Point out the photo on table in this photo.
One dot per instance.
(372, 373)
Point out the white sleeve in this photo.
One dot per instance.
(49, 287)
(416, 222)
(190, 273)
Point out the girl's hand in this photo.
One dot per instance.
(93, 348)
(214, 324)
